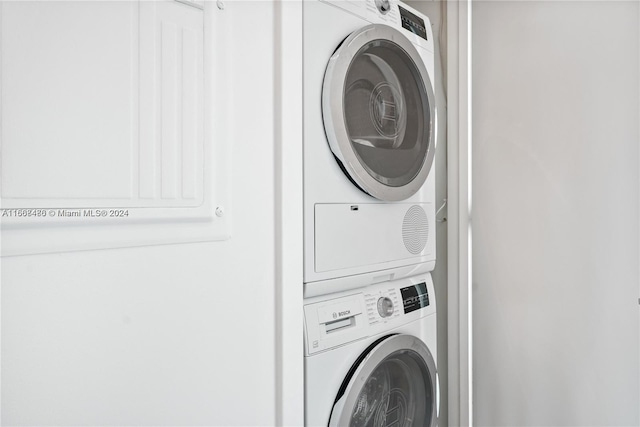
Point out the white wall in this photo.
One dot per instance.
(165, 335)
(555, 213)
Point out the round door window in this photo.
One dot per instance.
(379, 113)
(387, 113)
(398, 393)
(394, 386)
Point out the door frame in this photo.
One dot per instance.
(459, 212)
(289, 369)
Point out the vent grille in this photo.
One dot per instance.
(415, 229)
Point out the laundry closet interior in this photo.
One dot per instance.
(319, 212)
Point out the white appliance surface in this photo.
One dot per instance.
(352, 239)
(341, 328)
(344, 238)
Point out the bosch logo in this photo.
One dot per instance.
(335, 315)
(344, 313)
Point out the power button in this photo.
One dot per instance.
(385, 307)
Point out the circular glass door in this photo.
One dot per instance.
(394, 387)
(379, 113)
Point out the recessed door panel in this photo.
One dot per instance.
(102, 104)
(69, 100)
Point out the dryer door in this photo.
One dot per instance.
(392, 384)
(379, 112)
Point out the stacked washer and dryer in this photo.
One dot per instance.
(369, 215)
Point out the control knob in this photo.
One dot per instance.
(385, 307)
(383, 6)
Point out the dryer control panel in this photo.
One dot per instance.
(334, 320)
(413, 23)
(394, 13)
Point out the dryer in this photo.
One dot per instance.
(370, 356)
(369, 143)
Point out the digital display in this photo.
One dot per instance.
(413, 23)
(414, 297)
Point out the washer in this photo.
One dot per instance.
(369, 142)
(370, 356)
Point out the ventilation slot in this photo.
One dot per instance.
(415, 229)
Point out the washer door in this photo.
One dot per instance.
(392, 384)
(379, 112)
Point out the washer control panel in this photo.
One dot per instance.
(337, 319)
(382, 305)
(415, 297)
